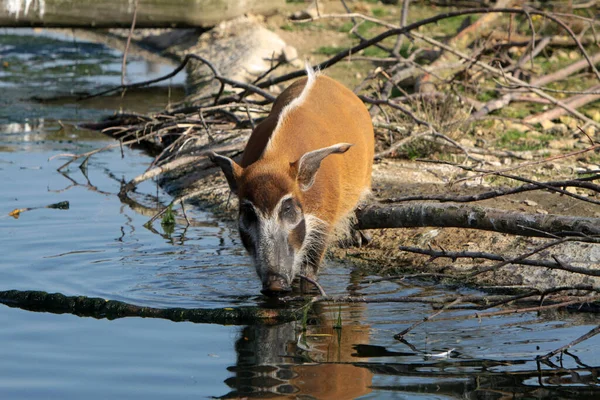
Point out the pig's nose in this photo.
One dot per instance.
(276, 286)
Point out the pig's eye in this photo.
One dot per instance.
(248, 216)
(289, 211)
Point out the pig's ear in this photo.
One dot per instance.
(229, 167)
(306, 168)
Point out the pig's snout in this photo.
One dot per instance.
(276, 285)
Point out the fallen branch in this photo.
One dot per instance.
(476, 217)
(574, 102)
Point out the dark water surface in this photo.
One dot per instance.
(100, 247)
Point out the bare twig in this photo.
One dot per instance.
(224, 80)
(315, 283)
(517, 260)
(580, 339)
(124, 63)
(490, 256)
(532, 163)
(401, 334)
(556, 186)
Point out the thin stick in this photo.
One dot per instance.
(520, 258)
(453, 255)
(401, 335)
(529, 164)
(403, 21)
(184, 214)
(550, 185)
(124, 64)
(224, 80)
(315, 283)
(580, 339)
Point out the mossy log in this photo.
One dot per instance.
(100, 308)
(475, 217)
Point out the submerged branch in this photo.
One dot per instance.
(99, 308)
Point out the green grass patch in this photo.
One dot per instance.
(419, 149)
(486, 95)
(288, 27)
(379, 12)
(303, 26)
(450, 26)
(374, 51)
(362, 29)
(515, 112)
(516, 140)
(511, 136)
(329, 50)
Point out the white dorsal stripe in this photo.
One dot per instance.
(297, 102)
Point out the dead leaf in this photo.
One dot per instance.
(16, 212)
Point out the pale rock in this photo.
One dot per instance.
(527, 155)
(312, 11)
(547, 125)
(561, 54)
(530, 203)
(518, 127)
(467, 142)
(571, 189)
(569, 121)
(562, 144)
(559, 129)
(290, 56)
(551, 166)
(241, 49)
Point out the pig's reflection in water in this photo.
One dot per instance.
(275, 361)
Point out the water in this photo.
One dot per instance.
(100, 247)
